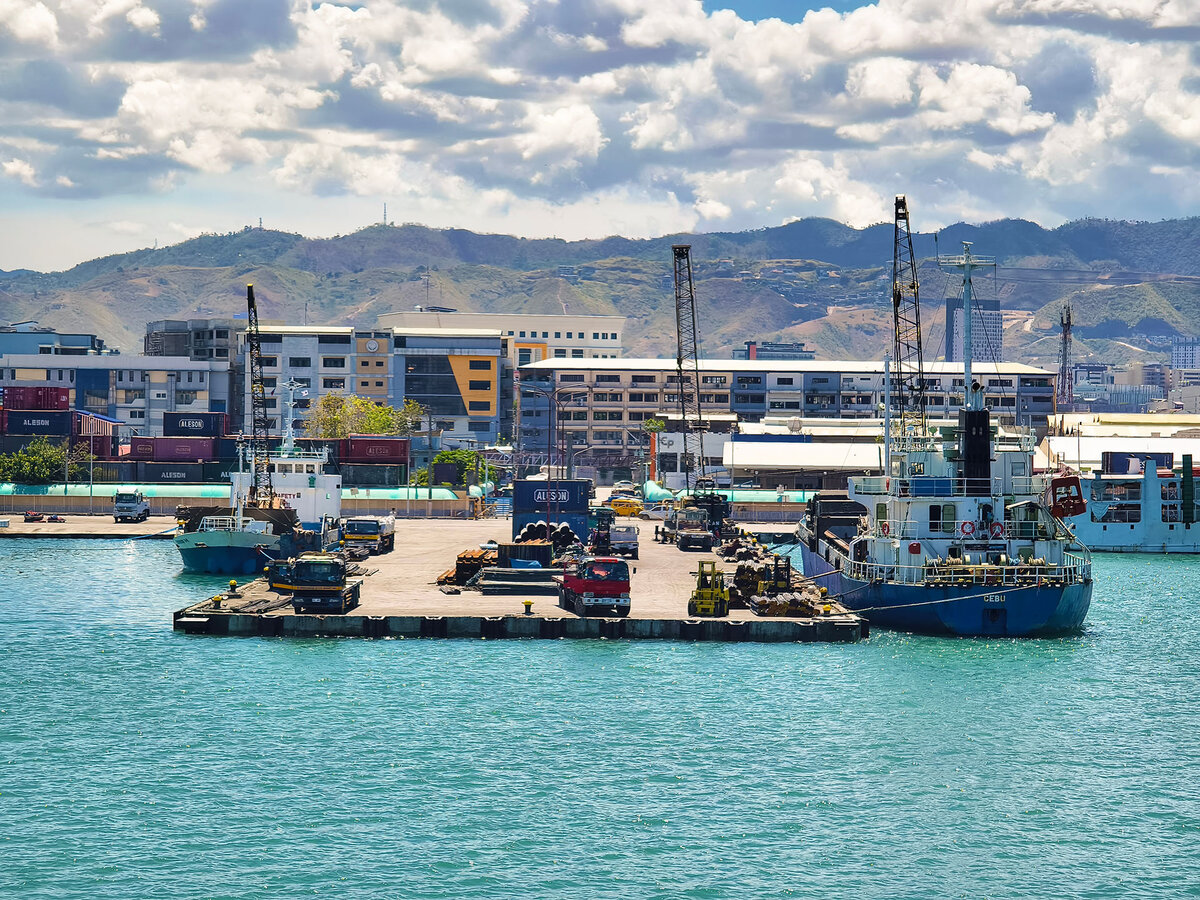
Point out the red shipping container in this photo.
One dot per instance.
(182, 449)
(375, 449)
(44, 398)
(141, 448)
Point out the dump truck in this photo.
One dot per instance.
(692, 530)
(595, 585)
(376, 533)
(318, 583)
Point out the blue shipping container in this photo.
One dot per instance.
(564, 496)
(58, 423)
(188, 424)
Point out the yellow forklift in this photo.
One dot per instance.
(711, 596)
(776, 577)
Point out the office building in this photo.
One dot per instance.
(601, 404)
(29, 338)
(531, 338)
(454, 372)
(774, 350)
(194, 338)
(987, 326)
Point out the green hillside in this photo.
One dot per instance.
(1133, 286)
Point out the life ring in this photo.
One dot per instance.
(884, 528)
(997, 529)
(967, 528)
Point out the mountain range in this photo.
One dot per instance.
(1133, 286)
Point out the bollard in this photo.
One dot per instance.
(826, 609)
(528, 607)
(216, 601)
(233, 591)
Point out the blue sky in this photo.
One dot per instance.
(129, 122)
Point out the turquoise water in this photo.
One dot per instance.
(139, 763)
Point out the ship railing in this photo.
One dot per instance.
(217, 523)
(956, 573)
(948, 486)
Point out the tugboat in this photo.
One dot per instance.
(956, 536)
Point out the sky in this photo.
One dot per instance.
(126, 123)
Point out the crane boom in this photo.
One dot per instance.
(262, 492)
(1066, 372)
(687, 363)
(906, 321)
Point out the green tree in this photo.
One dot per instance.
(466, 460)
(335, 416)
(653, 426)
(41, 462)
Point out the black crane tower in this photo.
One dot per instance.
(261, 491)
(1066, 373)
(907, 359)
(687, 364)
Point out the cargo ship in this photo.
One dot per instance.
(955, 537)
(242, 537)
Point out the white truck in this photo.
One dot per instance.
(376, 533)
(130, 506)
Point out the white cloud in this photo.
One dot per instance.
(22, 171)
(556, 109)
(31, 23)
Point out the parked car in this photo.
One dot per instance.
(658, 511)
(622, 486)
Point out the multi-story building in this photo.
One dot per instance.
(601, 404)
(29, 337)
(1185, 353)
(135, 390)
(194, 338)
(531, 338)
(774, 350)
(987, 330)
(455, 373)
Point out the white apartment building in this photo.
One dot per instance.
(531, 338)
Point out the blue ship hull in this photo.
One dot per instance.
(965, 611)
(223, 560)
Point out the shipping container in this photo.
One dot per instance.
(141, 448)
(87, 423)
(374, 448)
(373, 476)
(203, 424)
(219, 471)
(37, 398)
(115, 472)
(530, 496)
(167, 473)
(99, 445)
(183, 449)
(56, 423)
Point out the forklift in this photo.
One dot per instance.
(711, 596)
(777, 577)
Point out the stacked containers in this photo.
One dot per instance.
(369, 460)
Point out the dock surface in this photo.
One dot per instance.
(400, 599)
(88, 528)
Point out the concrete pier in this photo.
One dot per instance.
(401, 600)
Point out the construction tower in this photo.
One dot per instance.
(1065, 398)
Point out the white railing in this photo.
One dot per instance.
(933, 486)
(1073, 570)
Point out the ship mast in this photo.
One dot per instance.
(967, 264)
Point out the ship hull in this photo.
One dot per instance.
(966, 611)
(226, 552)
(1148, 537)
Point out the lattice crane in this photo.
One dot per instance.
(908, 359)
(262, 493)
(1066, 372)
(687, 363)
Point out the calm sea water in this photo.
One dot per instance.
(135, 762)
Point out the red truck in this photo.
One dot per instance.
(594, 585)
